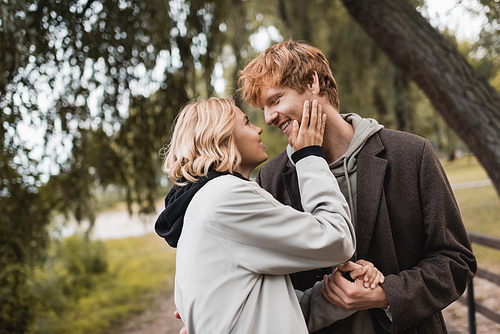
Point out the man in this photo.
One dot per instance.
(406, 218)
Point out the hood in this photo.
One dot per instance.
(171, 220)
(364, 128)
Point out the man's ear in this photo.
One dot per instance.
(313, 83)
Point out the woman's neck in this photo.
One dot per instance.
(244, 171)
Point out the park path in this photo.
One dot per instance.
(159, 318)
(117, 223)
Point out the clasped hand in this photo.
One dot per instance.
(362, 294)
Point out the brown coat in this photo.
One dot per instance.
(408, 225)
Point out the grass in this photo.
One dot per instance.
(465, 169)
(139, 269)
(143, 266)
(480, 207)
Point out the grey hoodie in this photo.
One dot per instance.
(346, 165)
(364, 128)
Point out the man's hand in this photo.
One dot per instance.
(354, 295)
(364, 270)
(184, 329)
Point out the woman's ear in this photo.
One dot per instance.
(313, 83)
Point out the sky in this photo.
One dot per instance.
(446, 13)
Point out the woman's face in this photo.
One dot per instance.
(246, 136)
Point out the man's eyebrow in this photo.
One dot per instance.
(271, 97)
(245, 119)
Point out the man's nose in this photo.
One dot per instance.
(270, 116)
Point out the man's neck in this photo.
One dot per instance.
(338, 136)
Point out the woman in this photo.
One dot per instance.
(238, 244)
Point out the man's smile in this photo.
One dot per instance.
(285, 125)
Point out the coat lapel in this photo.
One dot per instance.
(370, 182)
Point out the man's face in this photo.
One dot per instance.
(282, 105)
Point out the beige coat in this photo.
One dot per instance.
(239, 244)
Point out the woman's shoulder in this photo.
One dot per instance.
(228, 186)
(229, 190)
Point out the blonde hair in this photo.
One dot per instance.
(202, 139)
(288, 64)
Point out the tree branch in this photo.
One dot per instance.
(465, 99)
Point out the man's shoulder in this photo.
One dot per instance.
(396, 135)
(399, 148)
(270, 175)
(278, 163)
(400, 140)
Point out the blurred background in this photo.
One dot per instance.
(89, 90)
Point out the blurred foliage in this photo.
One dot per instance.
(79, 75)
(490, 34)
(89, 287)
(23, 236)
(71, 271)
(89, 91)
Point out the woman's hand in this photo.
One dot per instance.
(371, 275)
(312, 127)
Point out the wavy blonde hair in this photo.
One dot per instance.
(288, 64)
(202, 138)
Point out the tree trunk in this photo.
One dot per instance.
(465, 99)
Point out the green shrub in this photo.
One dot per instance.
(71, 271)
(91, 286)
(16, 308)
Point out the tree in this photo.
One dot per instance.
(117, 72)
(465, 99)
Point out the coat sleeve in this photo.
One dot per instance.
(317, 311)
(267, 237)
(447, 264)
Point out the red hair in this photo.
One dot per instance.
(288, 64)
